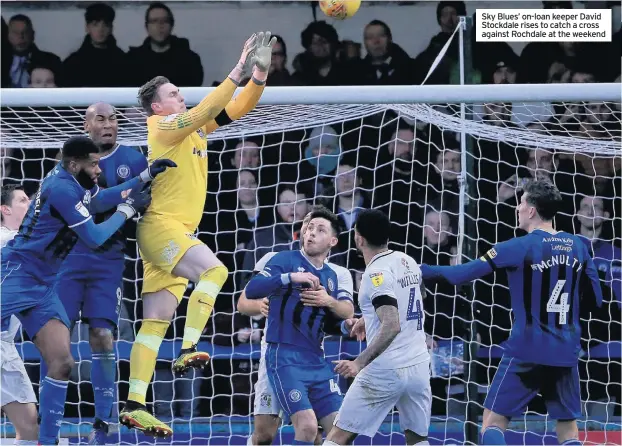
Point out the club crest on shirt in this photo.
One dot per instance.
(331, 285)
(201, 133)
(376, 279)
(87, 197)
(123, 171)
(301, 269)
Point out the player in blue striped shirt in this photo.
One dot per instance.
(89, 282)
(299, 374)
(549, 274)
(56, 219)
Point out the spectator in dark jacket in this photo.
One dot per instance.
(386, 62)
(163, 54)
(24, 53)
(279, 75)
(99, 62)
(447, 14)
(5, 64)
(318, 65)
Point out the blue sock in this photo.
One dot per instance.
(572, 442)
(303, 442)
(43, 372)
(52, 396)
(103, 371)
(493, 436)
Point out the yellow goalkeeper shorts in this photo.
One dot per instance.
(162, 242)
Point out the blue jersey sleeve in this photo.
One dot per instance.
(591, 286)
(106, 199)
(503, 255)
(271, 278)
(67, 201)
(139, 162)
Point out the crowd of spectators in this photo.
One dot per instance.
(259, 189)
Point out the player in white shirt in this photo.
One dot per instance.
(17, 397)
(267, 411)
(394, 369)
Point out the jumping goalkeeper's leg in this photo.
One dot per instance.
(201, 266)
(158, 310)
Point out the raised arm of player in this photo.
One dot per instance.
(269, 279)
(173, 128)
(255, 307)
(68, 203)
(248, 98)
(103, 200)
(502, 255)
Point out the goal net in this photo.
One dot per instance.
(445, 163)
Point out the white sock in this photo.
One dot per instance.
(249, 442)
(26, 442)
(424, 442)
(329, 443)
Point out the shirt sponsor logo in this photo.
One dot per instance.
(82, 210)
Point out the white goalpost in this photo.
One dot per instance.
(446, 163)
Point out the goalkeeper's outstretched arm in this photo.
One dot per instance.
(217, 108)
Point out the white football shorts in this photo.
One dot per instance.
(375, 392)
(15, 384)
(266, 402)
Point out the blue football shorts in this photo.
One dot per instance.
(93, 295)
(516, 383)
(31, 299)
(302, 380)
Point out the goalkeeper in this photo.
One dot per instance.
(170, 251)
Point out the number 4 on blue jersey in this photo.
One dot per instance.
(548, 276)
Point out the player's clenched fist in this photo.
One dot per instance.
(264, 306)
(358, 329)
(306, 279)
(156, 168)
(347, 369)
(137, 200)
(317, 298)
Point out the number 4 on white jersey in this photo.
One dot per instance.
(562, 307)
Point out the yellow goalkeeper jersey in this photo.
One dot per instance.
(180, 193)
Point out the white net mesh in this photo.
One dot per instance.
(408, 161)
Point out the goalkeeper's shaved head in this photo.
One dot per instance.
(148, 93)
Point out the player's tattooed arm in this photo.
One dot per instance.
(389, 328)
